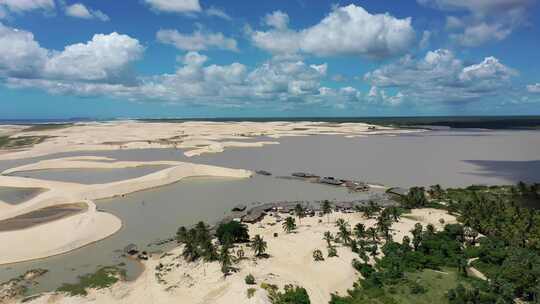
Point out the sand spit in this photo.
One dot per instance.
(68, 233)
(57, 236)
(193, 137)
(85, 162)
(290, 262)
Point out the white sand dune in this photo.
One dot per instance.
(85, 162)
(57, 237)
(193, 137)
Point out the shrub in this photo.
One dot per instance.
(250, 279)
(251, 292)
(234, 232)
(290, 295)
(317, 255)
(332, 252)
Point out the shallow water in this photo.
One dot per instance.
(91, 176)
(156, 214)
(450, 158)
(14, 195)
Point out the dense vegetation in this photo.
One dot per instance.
(232, 232)
(290, 295)
(7, 142)
(507, 251)
(199, 243)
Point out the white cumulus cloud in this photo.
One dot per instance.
(197, 41)
(175, 6)
(20, 54)
(441, 77)
(104, 58)
(20, 6)
(487, 20)
(79, 10)
(277, 19)
(347, 30)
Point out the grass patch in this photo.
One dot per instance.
(435, 284)
(102, 278)
(7, 142)
(422, 287)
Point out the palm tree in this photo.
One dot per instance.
(394, 213)
(327, 209)
(181, 234)
(417, 235)
(225, 259)
(359, 231)
(430, 229)
(202, 232)
(341, 223)
(289, 224)
(190, 251)
(373, 250)
(328, 237)
(383, 226)
(208, 250)
(258, 245)
(406, 242)
(372, 233)
(362, 254)
(300, 212)
(344, 234)
(373, 207)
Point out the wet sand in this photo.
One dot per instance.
(42, 216)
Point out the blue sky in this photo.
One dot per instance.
(205, 58)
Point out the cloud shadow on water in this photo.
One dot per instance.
(527, 171)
